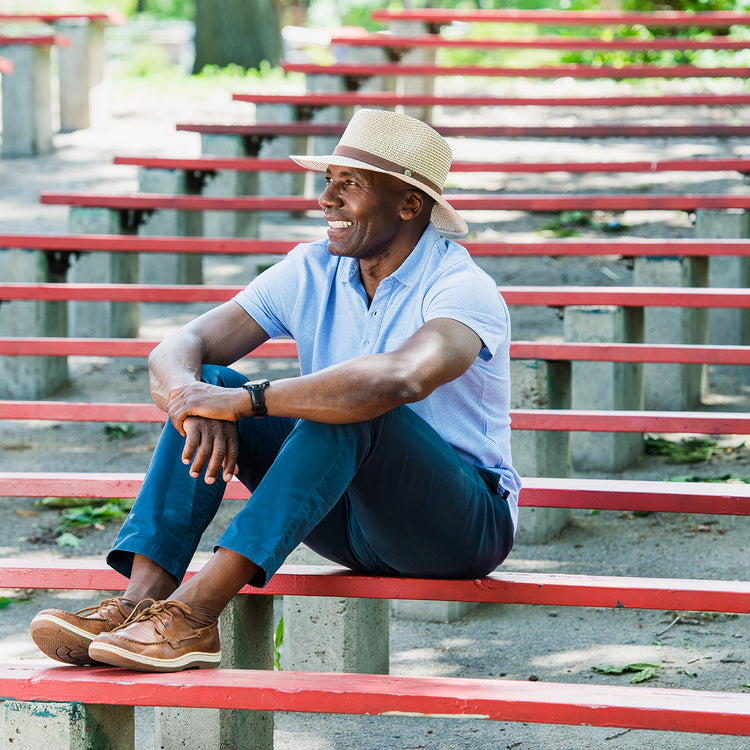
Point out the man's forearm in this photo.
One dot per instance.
(353, 391)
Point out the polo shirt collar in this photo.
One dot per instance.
(407, 273)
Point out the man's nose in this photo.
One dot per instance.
(329, 196)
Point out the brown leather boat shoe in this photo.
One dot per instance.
(66, 636)
(159, 639)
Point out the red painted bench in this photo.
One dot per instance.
(395, 43)
(255, 134)
(310, 102)
(106, 17)
(355, 73)
(709, 423)
(80, 65)
(552, 202)
(538, 492)
(211, 164)
(51, 346)
(657, 19)
(500, 587)
(551, 296)
(38, 40)
(498, 700)
(632, 248)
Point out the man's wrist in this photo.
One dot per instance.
(256, 389)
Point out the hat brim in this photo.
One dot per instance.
(445, 218)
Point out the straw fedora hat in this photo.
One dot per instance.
(401, 146)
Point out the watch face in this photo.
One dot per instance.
(262, 383)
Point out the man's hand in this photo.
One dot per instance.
(199, 399)
(211, 443)
(205, 415)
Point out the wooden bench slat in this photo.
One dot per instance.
(111, 17)
(538, 492)
(549, 296)
(567, 351)
(587, 420)
(631, 247)
(386, 99)
(499, 700)
(571, 70)
(409, 41)
(669, 18)
(255, 164)
(545, 202)
(48, 40)
(257, 131)
(500, 587)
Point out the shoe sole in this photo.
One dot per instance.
(115, 656)
(62, 641)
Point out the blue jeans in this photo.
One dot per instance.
(384, 496)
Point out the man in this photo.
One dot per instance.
(390, 454)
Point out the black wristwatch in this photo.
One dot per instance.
(256, 388)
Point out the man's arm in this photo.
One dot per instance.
(353, 391)
(221, 336)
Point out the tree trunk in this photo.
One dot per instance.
(243, 32)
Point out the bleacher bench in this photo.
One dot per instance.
(256, 133)
(355, 73)
(657, 19)
(212, 164)
(394, 43)
(628, 248)
(551, 202)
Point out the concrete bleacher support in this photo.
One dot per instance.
(169, 268)
(727, 326)
(102, 319)
(671, 387)
(606, 385)
(81, 72)
(31, 377)
(27, 103)
(246, 633)
(324, 634)
(229, 182)
(537, 384)
(29, 725)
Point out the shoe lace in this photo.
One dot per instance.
(158, 612)
(115, 601)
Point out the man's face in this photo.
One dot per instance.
(362, 209)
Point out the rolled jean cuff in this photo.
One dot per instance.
(120, 558)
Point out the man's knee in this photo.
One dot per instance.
(222, 376)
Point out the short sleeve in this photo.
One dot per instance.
(467, 294)
(269, 298)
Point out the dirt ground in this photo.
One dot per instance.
(565, 644)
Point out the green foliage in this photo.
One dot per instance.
(91, 515)
(567, 224)
(277, 641)
(68, 540)
(119, 431)
(145, 60)
(724, 478)
(643, 672)
(684, 451)
(5, 601)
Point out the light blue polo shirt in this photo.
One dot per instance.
(318, 300)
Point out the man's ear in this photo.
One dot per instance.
(414, 204)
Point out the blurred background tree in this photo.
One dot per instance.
(242, 32)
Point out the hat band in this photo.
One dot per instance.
(386, 165)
